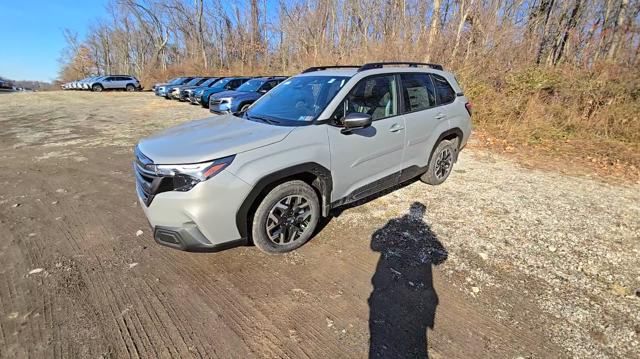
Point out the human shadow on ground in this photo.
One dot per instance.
(403, 302)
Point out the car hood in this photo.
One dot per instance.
(210, 138)
(237, 95)
(188, 88)
(211, 90)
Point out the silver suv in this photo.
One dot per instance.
(114, 82)
(319, 140)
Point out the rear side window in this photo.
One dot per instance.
(443, 90)
(418, 92)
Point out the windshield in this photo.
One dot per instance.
(175, 81)
(195, 81)
(250, 86)
(220, 84)
(209, 82)
(299, 99)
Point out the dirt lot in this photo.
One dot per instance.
(500, 261)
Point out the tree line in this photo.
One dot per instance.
(156, 38)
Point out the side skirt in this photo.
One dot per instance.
(380, 185)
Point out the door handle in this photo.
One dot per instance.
(441, 116)
(395, 128)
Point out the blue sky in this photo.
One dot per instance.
(31, 34)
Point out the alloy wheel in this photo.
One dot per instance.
(444, 162)
(288, 219)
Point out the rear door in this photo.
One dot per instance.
(123, 81)
(367, 160)
(422, 118)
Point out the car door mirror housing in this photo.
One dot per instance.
(355, 121)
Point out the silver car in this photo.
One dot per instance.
(319, 140)
(115, 82)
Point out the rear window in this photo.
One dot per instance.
(443, 90)
(418, 92)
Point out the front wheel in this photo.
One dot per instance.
(440, 163)
(130, 88)
(97, 88)
(245, 108)
(286, 218)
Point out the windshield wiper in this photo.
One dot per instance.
(262, 119)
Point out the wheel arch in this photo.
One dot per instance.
(447, 135)
(314, 174)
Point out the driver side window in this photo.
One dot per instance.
(375, 95)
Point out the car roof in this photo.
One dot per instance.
(348, 72)
(266, 78)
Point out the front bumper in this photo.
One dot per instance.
(220, 108)
(190, 239)
(201, 219)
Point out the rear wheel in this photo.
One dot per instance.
(97, 88)
(441, 163)
(130, 88)
(286, 218)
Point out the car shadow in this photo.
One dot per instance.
(403, 302)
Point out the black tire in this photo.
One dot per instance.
(292, 231)
(441, 162)
(97, 88)
(244, 107)
(205, 104)
(130, 88)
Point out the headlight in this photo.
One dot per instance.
(185, 177)
(226, 99)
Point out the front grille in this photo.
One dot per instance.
(148, 184)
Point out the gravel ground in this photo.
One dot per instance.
(538, 264)
(571, 244)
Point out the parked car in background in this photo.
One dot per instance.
(196, 92)
(6, 86)
(86, 83)
(226, 84)
(161, 89)
(240, 99)
(185, 92)
(115, 82)
(174, 91)
(320, 140)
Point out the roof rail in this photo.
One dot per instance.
(320, 68)
(379, 65)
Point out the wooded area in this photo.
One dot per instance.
(535, 69)
(147, 37)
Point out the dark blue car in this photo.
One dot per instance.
(240, 99)
(226, 84)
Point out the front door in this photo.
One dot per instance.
(367, 160)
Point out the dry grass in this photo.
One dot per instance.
(584, 118)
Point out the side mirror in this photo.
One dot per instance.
(356, 121)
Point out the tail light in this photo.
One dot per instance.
(468, 106)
